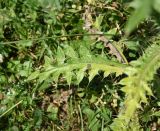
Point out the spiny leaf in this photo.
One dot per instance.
(60, 56)
(93, 72)
(136, 85)
(68, 75)
(69, 51)
(56, 75)
(80, 74)
(77, 65)
(44, 75)
(68, 69)
(85, 53)
(48, 61)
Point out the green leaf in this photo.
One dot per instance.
(111, 33)
(48, 61)
(44, 75)
(68, 76)
(33, 75)
(84, 53)
(136, 84)
(142, 11)
(77, 69)
(94, 123)
(55, 75)
(133, 45)
(24, 43)
(44, 85)
(98, 22)
(37, 117)
(80, 74)
(93, 99)
(69, 51)
(156, 5)
(157, 113)
(50, 4)
(60, 56)
(53, 112)
(92, 73)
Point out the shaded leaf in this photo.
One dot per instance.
(142, 11)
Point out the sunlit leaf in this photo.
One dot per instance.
(25, 43)
(60, 56)
(156, 5)
(80, 75)
(68, 76)
(92, 73)
(69, 51)
(136, 84)
(92, 2)
(33, 75)
(98, 22)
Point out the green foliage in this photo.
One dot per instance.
(71, 63)
(137, 87)
(61, 65)
(143, 10)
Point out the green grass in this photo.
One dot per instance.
(70, 65)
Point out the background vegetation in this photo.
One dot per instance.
(86, 65)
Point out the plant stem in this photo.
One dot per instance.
(10, 108)
(81, 117)
(44, 38)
